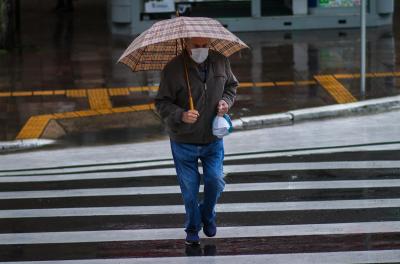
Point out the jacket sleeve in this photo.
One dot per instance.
(231, 85)
(165, 101)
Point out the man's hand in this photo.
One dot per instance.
(190, 116)
(222, 107)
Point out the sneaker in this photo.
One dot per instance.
(192, 239)
(210, 229)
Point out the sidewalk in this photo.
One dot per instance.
(356, 130)
(252, 122)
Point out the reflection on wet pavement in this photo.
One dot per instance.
(67, 60)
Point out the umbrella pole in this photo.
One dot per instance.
(191, 105)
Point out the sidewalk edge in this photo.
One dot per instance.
(24, 144)
(372, 106)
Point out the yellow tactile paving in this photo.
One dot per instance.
(43, 92)
(99, 99)
(335, 88)
(284, 83)
(76, 93)
(122, 109)
(118, 91)
(344, 76)
(66, 115)
(5, 94)
(246, 84)
(59, 92)
(85, 113)
(383, 74)
(136, 89)
(264, 84)
(22, 93)
(306, 82)
(124, 91)
(141, 107)
(104, 111)
(34, 127)
(151, 88)
(36, 124)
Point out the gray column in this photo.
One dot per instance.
(256, 8)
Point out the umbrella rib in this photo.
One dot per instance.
(140, 56)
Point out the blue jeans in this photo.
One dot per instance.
(186, 158)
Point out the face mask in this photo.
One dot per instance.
(199, 55)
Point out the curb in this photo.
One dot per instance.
(372, 106)
(24, 144)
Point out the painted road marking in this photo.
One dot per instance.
(306, 82)
(22, 93)
(118, 91)
(76, 93)
(344, 257)
(335, 89)
(43, 93)
(237, 187)
(5, 94)
(221, 208)
(246, 85)
(383, 74)
(34, 127)
(264, 84)
(99, 99)
(344, 76)
(37, 124)
(59, 92)
(124, 91)
(176, 233)
(284, 83)
(146, 169)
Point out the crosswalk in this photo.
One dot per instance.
(340, 207)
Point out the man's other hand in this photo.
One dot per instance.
(222, 107)
(190, 116)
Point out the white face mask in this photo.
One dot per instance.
(199, 55)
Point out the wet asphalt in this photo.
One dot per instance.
(217, 246)
(62, 51)
(58, 53)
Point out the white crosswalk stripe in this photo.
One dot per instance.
(222, 208)
(362, 257)
(306, 185)
(39, 208)
(176, 233)
(61, 175)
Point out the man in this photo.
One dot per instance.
(213, 88)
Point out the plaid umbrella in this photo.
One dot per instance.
(155, 47)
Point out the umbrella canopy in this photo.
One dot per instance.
(155, 47)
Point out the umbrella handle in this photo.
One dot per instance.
(191, 105)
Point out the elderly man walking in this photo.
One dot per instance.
(213, 89)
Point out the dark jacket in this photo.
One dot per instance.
(172, 98)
